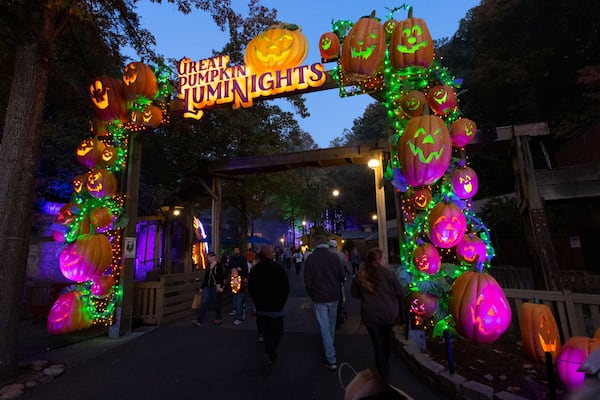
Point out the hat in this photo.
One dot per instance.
(266, 251)
(333, 243)
(320, 239)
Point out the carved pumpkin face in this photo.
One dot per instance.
(539, 331)
(388, 27)
(574, 352)
(68, 314)
(85, 258)
(424, 150)
(101, 183)
(413, 103)
(66, 215)
(79, 183)
(462, 132)
(278, 47)
(427, 259)
(108, 99)
(421, 198)
(441, 99)
(139, 80)
(465, 182)
(479, 307)
(447, 225)
(329, 46)
(363, 50)
(89, 152)
(411, 44)
(422, 304)
(471, 249)
(102, 286)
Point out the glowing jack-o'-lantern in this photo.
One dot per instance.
(539, 331)
(422, 304)
(102, 286)
(363, 50)
(139, 80)
(279, 47)
(479, 307)
(421, 198)
(411, 43)
(462, 132)
(108, 98)
(573, 353)
(442, 99)
(413, 103)
(427, 259)
(447, 225)
(465, 182)
(69, 313)
(109, 156)
(85, 258)
(388, 27)
(89, 152)
(329, 46)
(101, 217)
(79, 184)
(424, 150)
(101, 183)
(471, 249)
(66, 215)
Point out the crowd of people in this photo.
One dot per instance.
(263, 277)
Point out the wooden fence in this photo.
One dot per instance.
(167, 300)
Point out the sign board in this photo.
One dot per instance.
(129, 248)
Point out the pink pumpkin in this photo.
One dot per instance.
(462, 132)
(479, 307)
(575, 350)
(422, 304)
(442, 99)
(465, 182)
(68, 314)
(471, 249)
(102, 286)
(427, 259)
(86, 258)
(447, 225)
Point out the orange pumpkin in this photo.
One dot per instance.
(89, 152)
(421, 198)
(363, 50)
(442, 99)
(108, 98)
(85, 258)
(462, 132)
(101, 183)
(422, 304)
(101, 217)
(411, 43)
(79, 184)
(139, 80)
(329, 47)
(413, 103)
(427, 259)
(539, 331)
(279, 47)
(68, 314)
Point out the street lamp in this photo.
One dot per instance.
(375, 164)
(169, 213)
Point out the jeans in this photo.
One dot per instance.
(326, 314)
(238, 305)
(381, 338)
(210, 295)
(272, 330)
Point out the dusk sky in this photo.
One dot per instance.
(195, 36)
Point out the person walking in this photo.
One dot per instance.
(297, 257)
(238, 285)
(355, 260)
(269, 288)
(211, 289)
(378, 288)
(323, 277)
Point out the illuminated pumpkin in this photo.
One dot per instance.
(424, 150)
(363, 50)
(79, 183)
(388, 27)
(411, 44)
(447, 225)
(108, 156)
(102, 286)
(462, 132)
(479, 307)
(69, 313)
(139, 80)
(108, 98)
(422, 304)
(471, 249)
(539, 331)
(278, 47)
(89, 152)
(329, 47)
(427, 259)
(413, 103)
(573, 353)
(442, 99)
(101, 217)
(86, 258)
(421, 198)
(66, 215)
(101, 183)
(465, 182)
(152, 116)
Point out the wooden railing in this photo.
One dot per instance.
(576, 314)
(167, 300)
(520, 277)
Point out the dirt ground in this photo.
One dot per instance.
(502, 365)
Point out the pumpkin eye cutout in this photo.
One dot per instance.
(325, 43)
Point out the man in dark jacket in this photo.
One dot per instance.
(323, 277)
(269, 288)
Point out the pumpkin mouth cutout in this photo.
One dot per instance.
(549, 346)
(274, 51)
(487, 322)
(429, 139)
(365, 54)
(99, 95)
(411, 38)
(440, 97)
(326, 43)
(445, 229)
(466, 184)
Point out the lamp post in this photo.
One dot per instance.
(169, 213)
(376, 165)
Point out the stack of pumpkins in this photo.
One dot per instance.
(88, 222)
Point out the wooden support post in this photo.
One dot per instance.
(381, 213)
(217, 191)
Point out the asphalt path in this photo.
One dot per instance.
(182, 361)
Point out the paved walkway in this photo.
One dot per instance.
(181, 361)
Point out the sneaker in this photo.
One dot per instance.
(261, 338)
(218, 321)
(196, 322)
(330, 366)
(237, 322)
(232, 313)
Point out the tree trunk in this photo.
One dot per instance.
(18, 158)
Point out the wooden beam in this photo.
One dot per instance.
(569, 182)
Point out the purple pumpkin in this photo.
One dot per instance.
(471, 249)
(427, 259)
(447, 225)
(465, 182)
(68, 314)
(86, 258)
